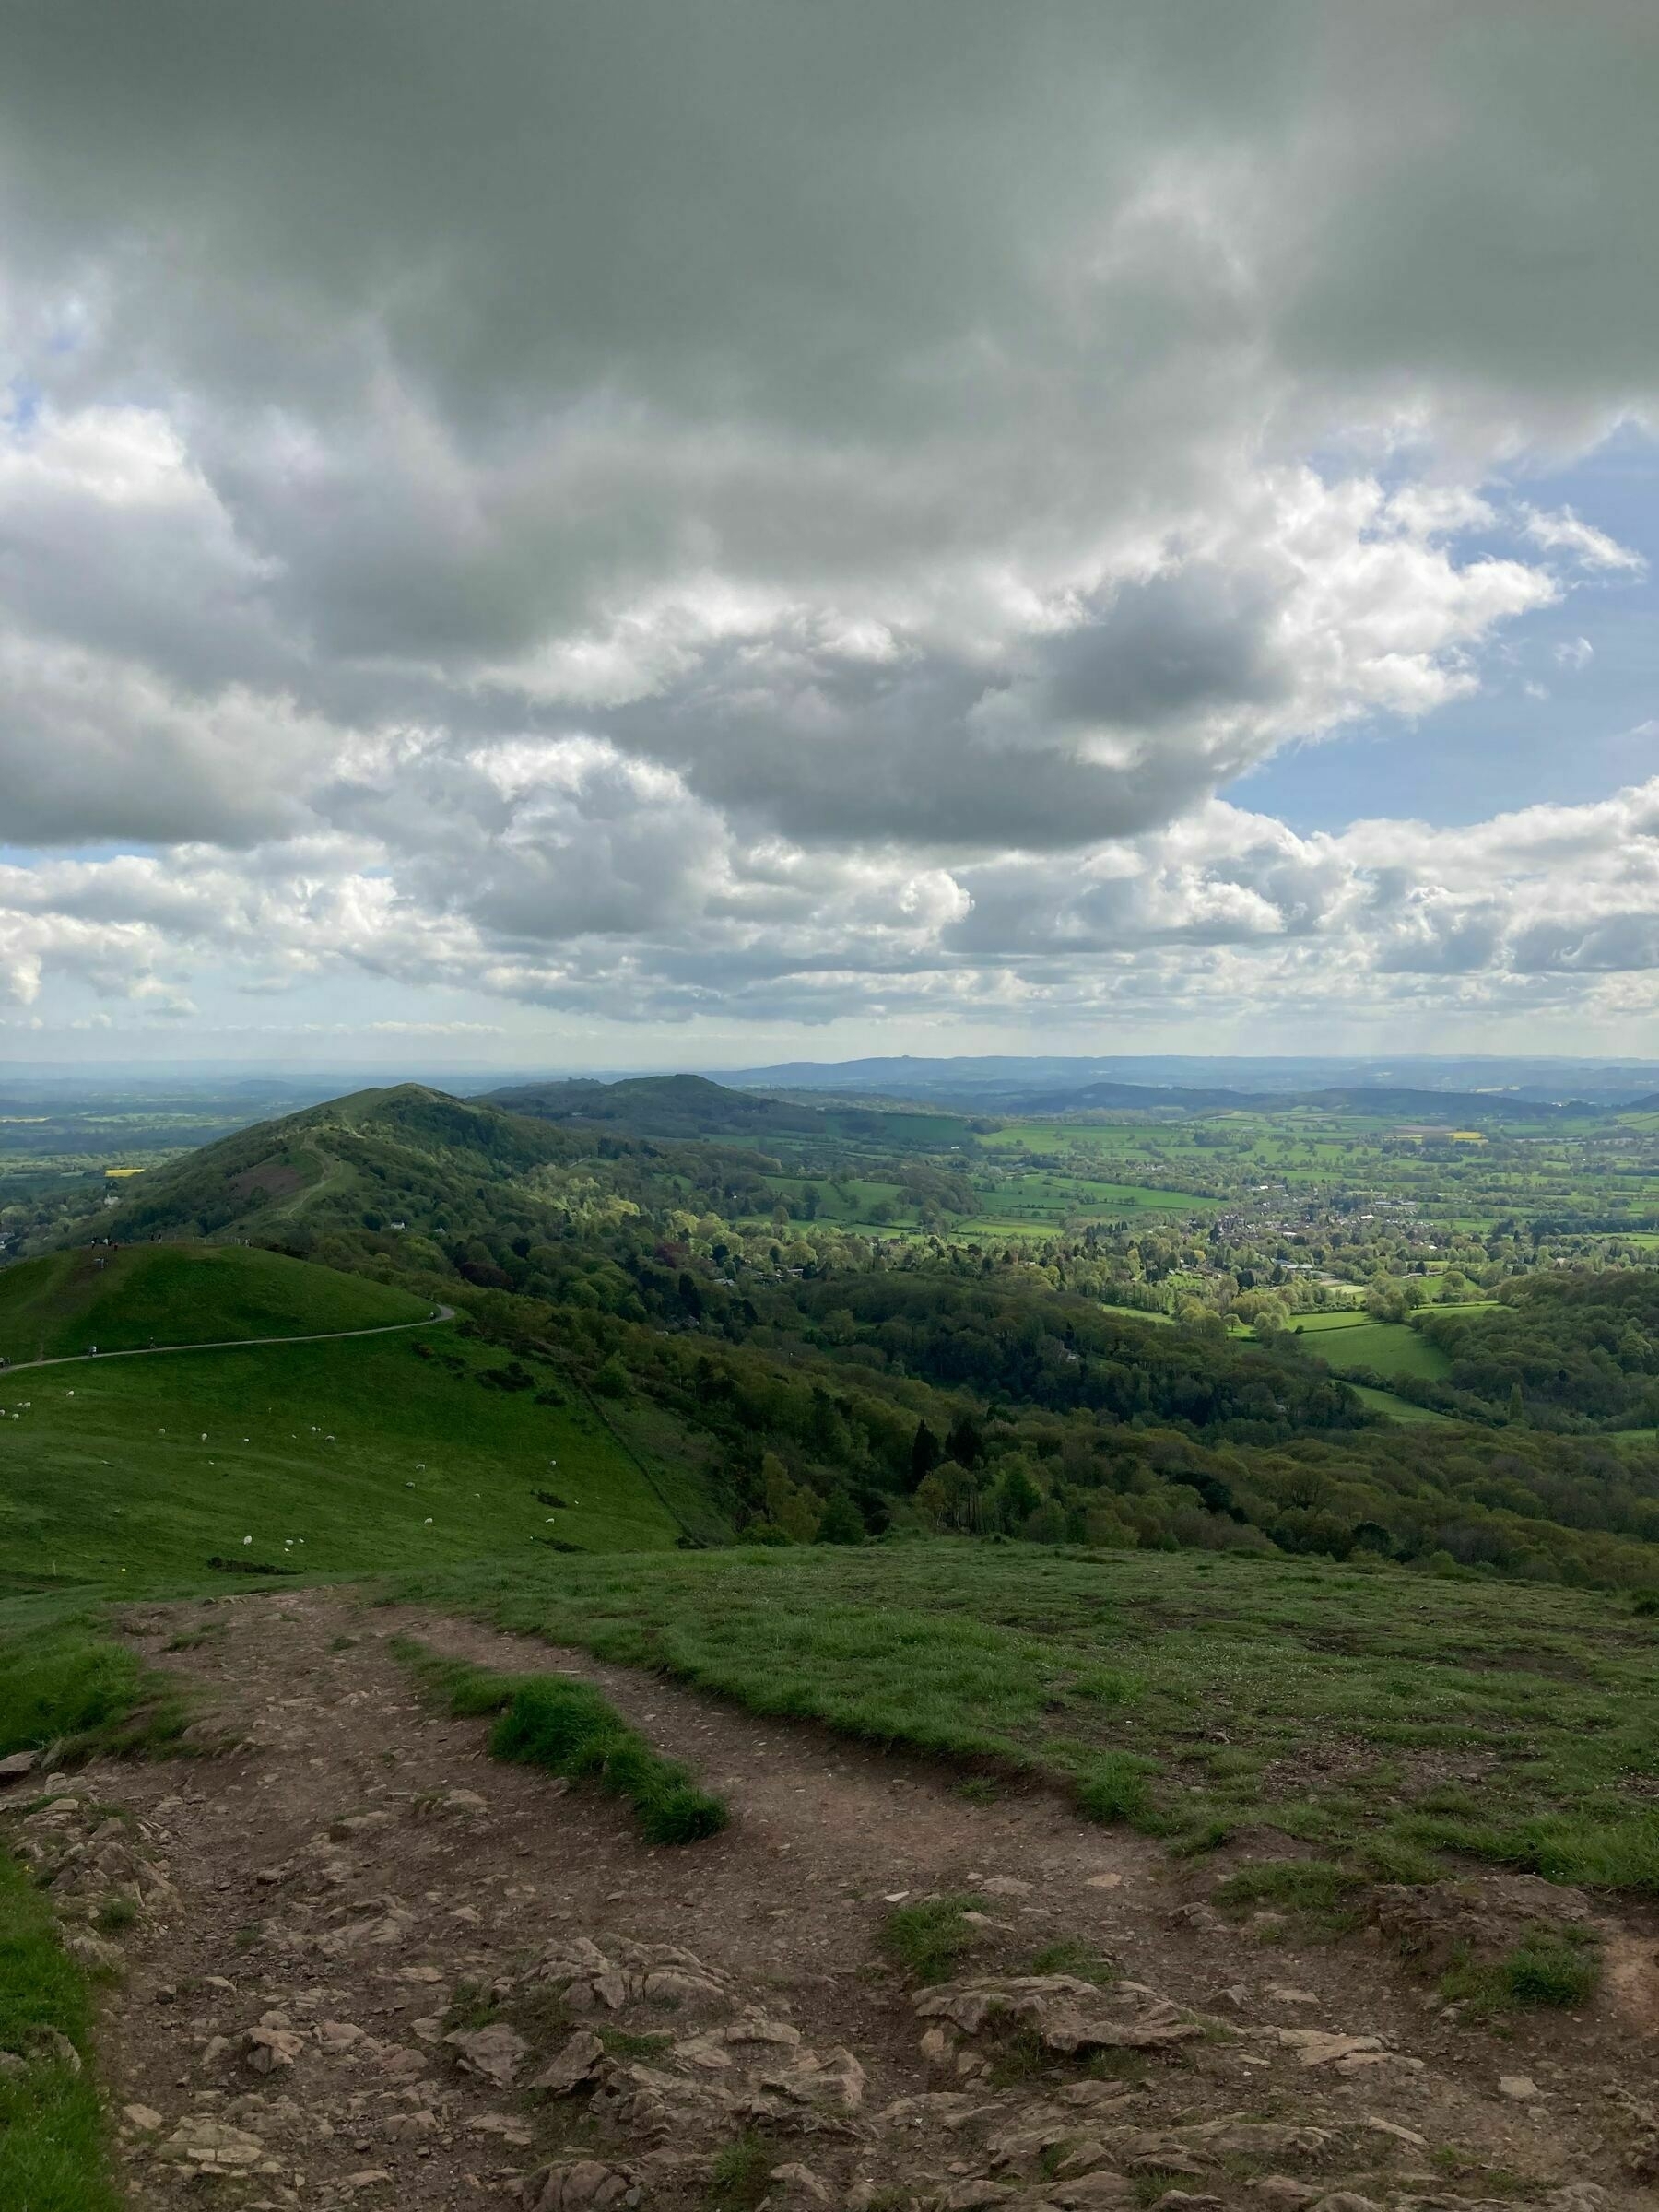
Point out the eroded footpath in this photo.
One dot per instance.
(359, 1962)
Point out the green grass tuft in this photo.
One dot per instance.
(569, 1728)
(1293, 1885)
(741, 2174)
(926, 1940)
(1079, 1959)
(1541, 1970)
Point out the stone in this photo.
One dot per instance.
(1521, 2086)
(572, 2065)
(1104, 1881)
(1280, 2189)
(338, 2035)
(1408, 2135)
(797, 2185)
(1102, 2187)
(88, 1950)
(1005, 1885)
(269, 2048)
(1071, 2016)
(511, 2130)
(52, 2047)
(972, 2197)
(18, 1764)
(213, 2147)
(836, 2079)
(494, 2052)
(1346, 2200)
(1321, 2047)
(583, 2182)
(367, 2178)
(143, 2118)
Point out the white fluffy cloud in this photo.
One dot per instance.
(789, 512)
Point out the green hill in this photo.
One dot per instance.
(346, 1458)
(684, 1106)
(65, 1302)
(405, 1154)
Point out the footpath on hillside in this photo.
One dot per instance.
(362, 1963)
(230, 1344)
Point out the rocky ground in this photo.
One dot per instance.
(354, 1961)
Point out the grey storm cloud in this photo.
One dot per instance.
(658, 502)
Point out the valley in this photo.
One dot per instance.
(1174, 1718)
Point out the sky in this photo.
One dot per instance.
(625, 534)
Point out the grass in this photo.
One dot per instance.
(337, 1458)
(741, 2174)
(125, 1300)
(52, 2143)
(1387, 1347)
(927, 1940)
(1315, 1886)
(1542, 1969)
(1344, 1689)
(567, 1727)
(62, 1684)
(1081, 1960)
(1396, 1409)
(66, 1685)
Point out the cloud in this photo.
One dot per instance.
(1565, 532)
(758, 509)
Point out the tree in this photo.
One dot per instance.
(1017, 1494)
(842, 1522)
(790, 1507)
(926, 1455)
(964, 1445)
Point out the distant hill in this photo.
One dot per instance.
(668, 1106)
(379, 1152)
(1008, 1082)
(1455, 1109)
(65, 1302)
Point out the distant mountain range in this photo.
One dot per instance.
(1012, 1083)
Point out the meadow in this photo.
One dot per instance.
(1392, 1720)
(128, 1298)
(340, 1458)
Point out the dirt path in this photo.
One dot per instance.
(325, 1911)
(232, 1344)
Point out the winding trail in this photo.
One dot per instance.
(229, 1344)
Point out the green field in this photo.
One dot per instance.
(1399, 1410)
(134, 1472)
(1386, 1347)
(1354, 1710)
(125, 1300)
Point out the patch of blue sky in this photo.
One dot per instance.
(1566, 708)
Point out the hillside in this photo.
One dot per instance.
(378, 1153)
(345, 1457)
(684, 1106)
(65, 1302)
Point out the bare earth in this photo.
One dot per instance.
(360, 1945)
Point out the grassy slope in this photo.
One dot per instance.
(1350, 1709)
(51, 2142)
(1399, 1410)
(182, 1294)
(92, 1490)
